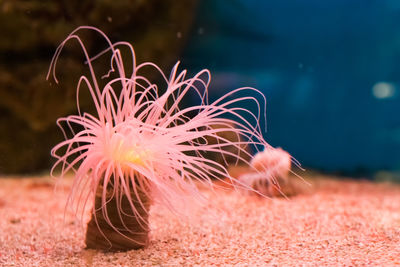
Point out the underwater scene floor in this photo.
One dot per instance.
(332, 223)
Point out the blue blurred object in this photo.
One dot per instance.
(330, 71)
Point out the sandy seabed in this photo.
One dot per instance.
(336, 223)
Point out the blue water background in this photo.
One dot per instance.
(329, 69)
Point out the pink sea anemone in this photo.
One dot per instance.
(141, 144)
(272, 170)
(276, 161)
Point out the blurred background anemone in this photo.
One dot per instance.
(330, 71)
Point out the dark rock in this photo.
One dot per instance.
(31, 31)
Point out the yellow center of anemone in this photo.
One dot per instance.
(136, 157)
(131, 154)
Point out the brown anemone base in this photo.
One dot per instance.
(128, 230)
